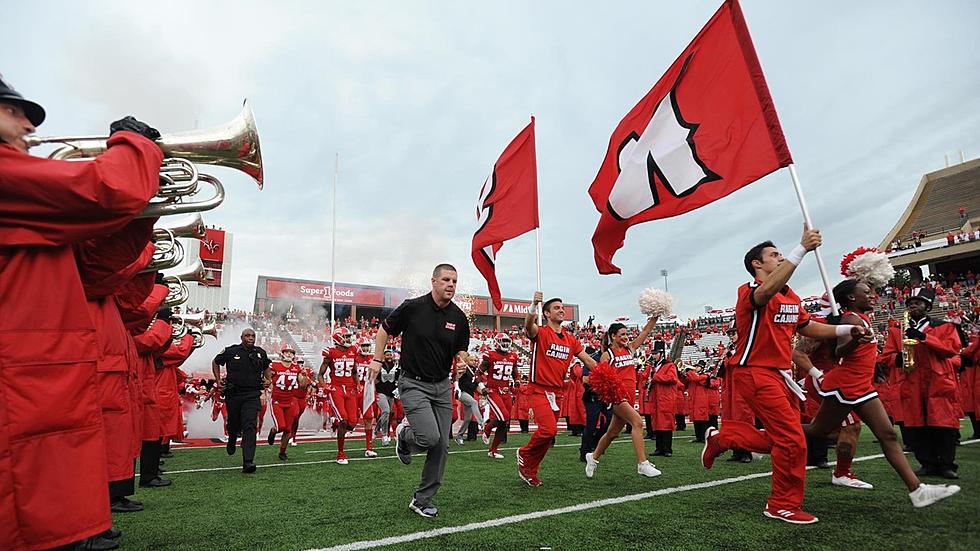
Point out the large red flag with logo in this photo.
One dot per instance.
(707, 128)
(508, 205)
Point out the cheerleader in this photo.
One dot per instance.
(617, 351)
(850, 387)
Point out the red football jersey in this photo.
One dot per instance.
(502, 369)
(362, 362)
(551, 355)
(302, 392)
(766, 334)
(342, 365)
(284, 380)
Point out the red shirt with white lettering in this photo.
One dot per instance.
(284, 380)
(766, 333)
(341, 364)
(550, 357)
(624, 363)
(502, 368)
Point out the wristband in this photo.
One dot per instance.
(796, 255)
(815, 373)
(843, 330)
(376, 360)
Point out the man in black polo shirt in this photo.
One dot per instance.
(435, 332)
(248, 373)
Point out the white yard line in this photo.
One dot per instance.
(514, 519)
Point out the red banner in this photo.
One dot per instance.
(520, 308)
(213, 246)
(311, 290)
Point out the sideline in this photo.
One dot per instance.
(513, 519)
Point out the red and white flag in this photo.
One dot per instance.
(508, 205)
(707, 128)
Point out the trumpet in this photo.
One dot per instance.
(199, 332)
(234, 144)
(194, 320)
(191, 226)
(167, 252)
(908, 346)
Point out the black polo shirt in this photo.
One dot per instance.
(245, 366)
(431, 337)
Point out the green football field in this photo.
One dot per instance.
(310, 502)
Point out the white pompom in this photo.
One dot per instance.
(872, 267)
(655, 302)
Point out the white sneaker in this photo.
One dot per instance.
(385, 440)
(590, 465)
(293, 443)
(495, 455)
(850, 481)
(459, 440)
(486, 439)
(370, 453)
(646, 469)
(927, 494)
(223, 438)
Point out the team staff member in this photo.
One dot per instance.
(553, 351)
(768, 313)
(435, 332)
(53, 477)
(248, 373)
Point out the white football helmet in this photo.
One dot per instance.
(502, 342)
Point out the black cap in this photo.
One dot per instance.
(34, 112)
(923, 293)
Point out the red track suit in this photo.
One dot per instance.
(550, 357)
(929, 393)
(498, 379)
(53, 477)
(733, 405)
(700, 396)
(285, 382)
(343, 389)
(301, 395)
(168, 401)
(576, 408)
(890, 391)
(823, 359)
(972, 354)
(522, 407)
(764, 348)
(662, 396)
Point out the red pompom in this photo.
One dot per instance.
(849, 257)
(607, 384)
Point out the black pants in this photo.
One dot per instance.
(816, 451)
(700, 428)
(665, 441)
(679, 422)
(648, 420)
(934, 447)
(122, 488)
(593, 429)
(243, 410)
(975, 424)
(149, 460)
(523, 424)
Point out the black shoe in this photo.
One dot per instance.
(272, 437)
(160, 471)
(696, 441)
(168, 455)
(248, 468)
(282, 456)
(162, 461)
(924, 471)
(133, 501)
(125, 506)
(96, 543)
(581, 458)
(230, 446)
(156, 483)
(950, 474)
(907, 448)
(655, 453)
(734, 458)
(111, 534)
(668, 454)
(745, 459)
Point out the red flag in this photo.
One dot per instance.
(707, 128)
(508, 205)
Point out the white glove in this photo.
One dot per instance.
(394, 394)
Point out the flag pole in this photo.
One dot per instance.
(809, 224)
(333, 245)
(537, 246)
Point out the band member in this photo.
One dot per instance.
(617, 351)
(661, 387)
(733, 406)
(287, 376)
(362, 363)
(850, 387)
(553, 349)
(54, 450)
(768, 312)
(699, 388)
(929, 401)
(498, 371)
(248, 373)
(341, 361)
(522, 408)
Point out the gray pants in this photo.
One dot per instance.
(384, 404)
(471, 408)
(429, 410)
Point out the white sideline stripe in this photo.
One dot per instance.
(513, 519)
(297, 463)
(556, 446)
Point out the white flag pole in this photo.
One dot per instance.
(809, 224)
(537, 244)
(333, 246)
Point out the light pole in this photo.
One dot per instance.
(664, 273)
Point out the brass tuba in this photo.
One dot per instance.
(192, 226)
(908, 346)
(179, 293)
(234, 144)
(167, 252)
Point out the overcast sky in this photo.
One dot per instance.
(419, 99)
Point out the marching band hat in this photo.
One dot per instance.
(924, 294)
(659, 346)
(34, 112)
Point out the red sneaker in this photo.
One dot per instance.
(526, 474)
(792, 516)
(711, 448)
